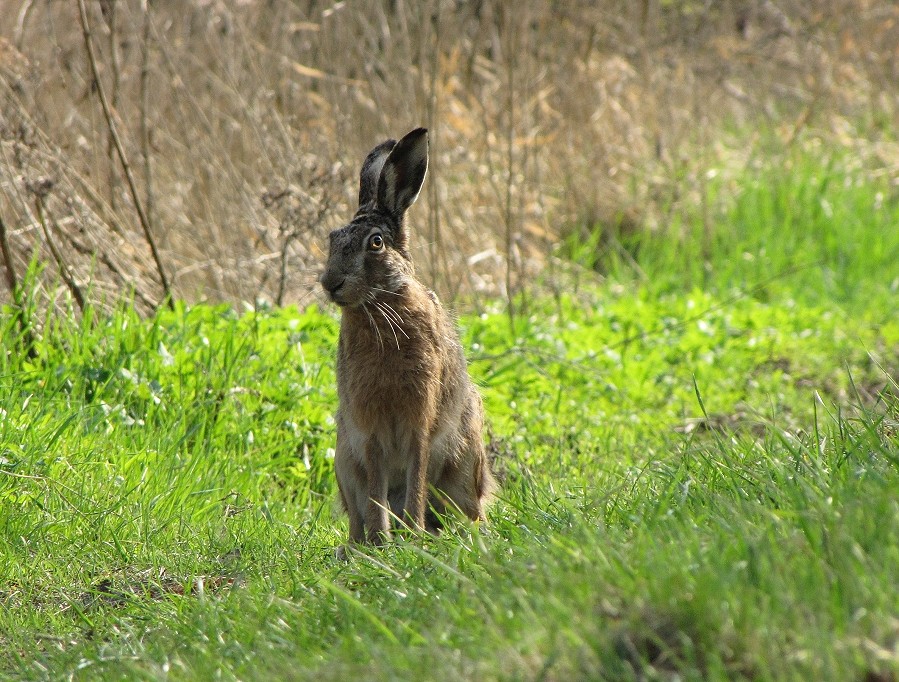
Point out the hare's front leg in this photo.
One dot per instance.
(417, 483)
(352, 484)
(377, 519)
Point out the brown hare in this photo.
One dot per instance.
(409, 421)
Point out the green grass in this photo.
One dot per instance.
(809, 226)
(701, 480)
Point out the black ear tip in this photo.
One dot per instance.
(413, 135)
(384, 148)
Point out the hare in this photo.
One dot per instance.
(409, 420)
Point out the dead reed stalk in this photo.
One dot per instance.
(40, 189)
(550, 123)
(120, 150)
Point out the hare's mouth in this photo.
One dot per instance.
(342, 300)
(339, 300)
(335, 289)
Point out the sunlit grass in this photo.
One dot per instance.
(699, 482)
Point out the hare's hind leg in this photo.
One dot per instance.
(457, 485)
(468, 481)
(462, 484)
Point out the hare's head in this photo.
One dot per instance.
(371, 253)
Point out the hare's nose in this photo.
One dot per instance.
(332, 284)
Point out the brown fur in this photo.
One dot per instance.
(410, 420)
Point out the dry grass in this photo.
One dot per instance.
(245, 122)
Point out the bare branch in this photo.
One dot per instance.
(13, 282)
(65, 273)
(144, 122)
(11, 279)
(120, 149)
(107, 8)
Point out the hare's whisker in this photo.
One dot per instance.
(370, 297)
(384, 308)
(375, 327)
(382, 305)
(391, 309)
(385, 291)
(394, 315)
(391, 324)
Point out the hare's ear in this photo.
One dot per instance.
(371, 171)
(403, 173)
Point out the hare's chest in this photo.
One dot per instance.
(379, 386)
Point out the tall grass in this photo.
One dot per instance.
(147, 534)
(811, 226)
(694, 486)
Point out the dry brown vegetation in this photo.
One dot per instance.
(244, 122)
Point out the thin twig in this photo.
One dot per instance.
(282, 270)
(104, 258)
(144, 123)
(20, 22)
(108, 10)
(123, 158)
(12, 282)
(290, 236)
(64, 271)
(510, 57)
(432, 106)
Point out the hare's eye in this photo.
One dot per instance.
(375, 242)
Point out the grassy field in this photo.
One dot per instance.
(699, 455)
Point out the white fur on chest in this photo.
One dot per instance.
(395, 438)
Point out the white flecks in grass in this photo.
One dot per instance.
(167, 358)
(705, 327)
(128, 420)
